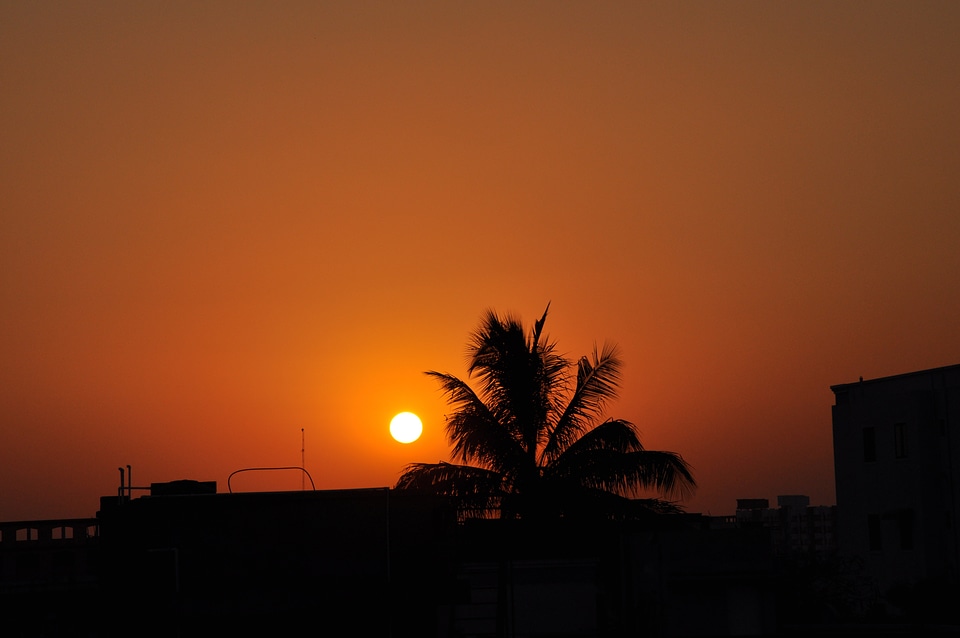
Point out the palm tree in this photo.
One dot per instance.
(527, 442)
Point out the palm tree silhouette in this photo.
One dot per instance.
(528, 443)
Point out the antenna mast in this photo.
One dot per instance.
(302, 448)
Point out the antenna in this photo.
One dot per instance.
(302, 448)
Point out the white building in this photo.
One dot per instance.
(896, 445)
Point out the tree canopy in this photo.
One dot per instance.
(531, 438)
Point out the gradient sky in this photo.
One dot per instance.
(223, 222)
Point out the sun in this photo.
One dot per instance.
(406, 427)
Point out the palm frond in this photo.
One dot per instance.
(538, 327)
(666, 472)
(657, 505)
(631, 473)
(600, 504)
(613, 434)
(598, 381)
(518, 376)
(610, 457)
(472, 488)
(500, 361)
(474, 430)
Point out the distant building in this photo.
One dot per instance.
(797, 529)
(897, 458)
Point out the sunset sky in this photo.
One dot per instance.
(225, 222)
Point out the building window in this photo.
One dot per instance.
(64, 532)
(27, 534)
(870, 444)
(875, 532)
(900, 440)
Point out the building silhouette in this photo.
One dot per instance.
(798, 530)
(49, 576)
(897, 460)
(185, 560)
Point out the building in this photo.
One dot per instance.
(185, 560)
(798, 530)
(897, 465)
(48, 576)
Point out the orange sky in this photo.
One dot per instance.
(223, 222)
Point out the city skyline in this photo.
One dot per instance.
(237, 236)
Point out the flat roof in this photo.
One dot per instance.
(916, 373)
